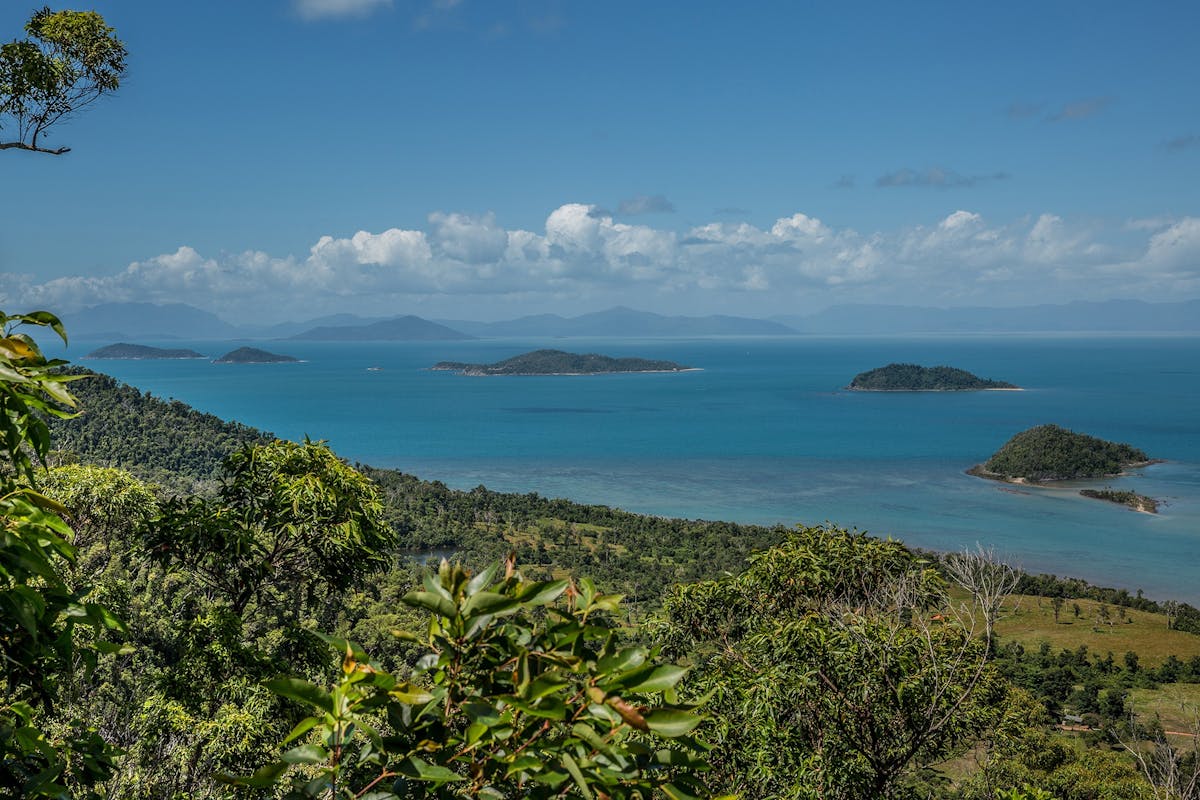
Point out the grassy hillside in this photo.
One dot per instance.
(1176, 706)
(1030, 621)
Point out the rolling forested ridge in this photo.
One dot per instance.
(233, 615)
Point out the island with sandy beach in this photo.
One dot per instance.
(558, 362)
(1049, 454)
(915, 378)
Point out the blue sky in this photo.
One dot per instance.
(461, 158)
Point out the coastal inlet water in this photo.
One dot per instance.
(762, 433)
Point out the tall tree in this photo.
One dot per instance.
(68, 60)
(834, 668)
(288, 513)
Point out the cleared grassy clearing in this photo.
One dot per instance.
(1030, 621)
(1176, 705)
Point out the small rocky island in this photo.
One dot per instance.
(557, 362)
(1138, 502)
(915, 378)
(137, 351)
(252, 355)
(1050, 453)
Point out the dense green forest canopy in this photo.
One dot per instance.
(161, 441)
(915, 378)
(1053, 453)
(558, 362)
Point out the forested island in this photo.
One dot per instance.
(558, 362)
(915, 378)
(123, 350)
(252, 355)
(1051, 453)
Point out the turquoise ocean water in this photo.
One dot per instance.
(762, 433)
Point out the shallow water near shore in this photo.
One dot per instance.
(761, 433)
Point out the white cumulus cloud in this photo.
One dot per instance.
(582, 252)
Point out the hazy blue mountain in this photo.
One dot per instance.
(1112, 315)
(283, 330)
(146, 321)
(621, 321)
(407, 328)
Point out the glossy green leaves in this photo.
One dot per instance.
(524, 691)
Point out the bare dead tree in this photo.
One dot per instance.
(1173, 772)
(988, 580)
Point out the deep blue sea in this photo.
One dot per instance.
(762, 433)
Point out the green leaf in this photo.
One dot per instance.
(434, 586)
(474, 731)
(302, 727)
(489, 603)
(576, 775)
(539, 594)
(661, 679)
(588, 734)
(46, 318)
(306, 754)
(431, 602)
(622, 660)
(414, 767)
(303, 691)
(411, 694)
(547, 708)
(545, 685)
(671, 723)
(482, 579)
(46, 503)
(523, 763)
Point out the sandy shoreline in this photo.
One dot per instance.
(981, 389)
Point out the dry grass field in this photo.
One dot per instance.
(1030, 621)
(1176, 705)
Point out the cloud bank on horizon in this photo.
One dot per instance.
(471, 266)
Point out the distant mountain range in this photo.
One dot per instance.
(622, 321)
(125, 321)
(407, 328)
(147, 321)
